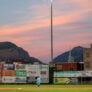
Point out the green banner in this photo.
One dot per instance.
(20, 73)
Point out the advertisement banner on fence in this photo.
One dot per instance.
(85, 73)
(20, 66)
(31, 79)
(65, 80)
(73, 74)
(8, 79)
(44, 80)
(32, 67)
(20, 80)
(33, 73)
(8, 66)
(60, 80)
(8, 73)
(66, 74)
(43, 67)
(44, 74)
(20, 73)
(38, 72)
(40, 67)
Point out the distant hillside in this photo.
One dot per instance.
(9, 51)
(76, 52)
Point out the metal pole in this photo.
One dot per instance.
(51, 30)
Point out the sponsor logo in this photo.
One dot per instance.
(20, 80)
(43, 72)
(32, 72)
(8, 66)
(20, 66)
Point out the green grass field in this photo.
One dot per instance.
(45, 88)
(49, 91)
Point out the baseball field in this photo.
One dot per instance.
(45, 88)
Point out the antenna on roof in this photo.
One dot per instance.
(70, 57)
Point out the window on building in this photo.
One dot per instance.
(87, 54)
(87, 64)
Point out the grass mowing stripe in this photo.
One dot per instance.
(49, 91)
(47, 86)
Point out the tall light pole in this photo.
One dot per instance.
(51, 30)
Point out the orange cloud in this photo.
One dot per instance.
(41, 23)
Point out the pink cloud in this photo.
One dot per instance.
(81, 4)
(84, 4)
(81, 35)
(40, 22)
(9, 29)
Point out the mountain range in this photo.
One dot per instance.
(76, 53)
(9, 51)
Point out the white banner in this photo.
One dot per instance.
(73, 74)
(44, 80)
(38, 70)
(8, 66)
(44, 67)
(44, 74)
(33, 73)
(8, 79)
(39, 67)
(31, 79)
(20, 80)
(32, 67)
(85, 73)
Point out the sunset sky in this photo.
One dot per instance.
(26, 23)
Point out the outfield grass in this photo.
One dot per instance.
(64, 90)
(42, 88)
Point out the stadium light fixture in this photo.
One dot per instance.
(51, 30)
